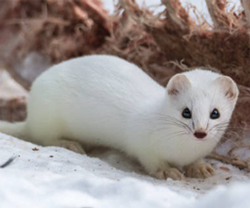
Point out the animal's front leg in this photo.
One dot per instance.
(166, 173)
(71, 145)
(160, 169)
(199, 169)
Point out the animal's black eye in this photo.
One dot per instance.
(186, 113)
(215, 114)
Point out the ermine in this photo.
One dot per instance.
(105, 100)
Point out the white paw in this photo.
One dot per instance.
(202, 170)
(173, 173)
(72, 145)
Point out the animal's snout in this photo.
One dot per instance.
(200, 134)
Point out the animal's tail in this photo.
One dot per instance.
(14, 129)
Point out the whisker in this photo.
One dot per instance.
(223, 137)
(168, 120)
(224, 124)
(178, 121)
(218, 141)
(171, 122)
(172, 136)
(160, 129)
(163, 128)
(234, 127)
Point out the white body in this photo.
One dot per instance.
(105, 100)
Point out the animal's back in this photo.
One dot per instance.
(92, 96)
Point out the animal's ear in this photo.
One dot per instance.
(227, 86)
(177, 84)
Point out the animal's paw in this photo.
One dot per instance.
(173, 173)
(72, 145)
(200, 170)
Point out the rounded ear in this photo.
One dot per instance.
(177, 84)
(228, 87)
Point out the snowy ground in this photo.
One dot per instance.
(56, 177)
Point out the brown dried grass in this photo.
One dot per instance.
(13, 109)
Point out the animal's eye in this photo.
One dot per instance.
(186, 113)
(215, 114)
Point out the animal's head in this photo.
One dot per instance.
(202, 103)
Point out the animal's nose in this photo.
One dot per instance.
(200, 135)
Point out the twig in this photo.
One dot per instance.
(8, 162)
(237, 162)
(177, 14)
(246, 5)
(220, 18)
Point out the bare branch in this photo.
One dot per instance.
(246, 5)
(220, 18)
(177, 14)
(131, 7)
(237, 162)
(96, 12)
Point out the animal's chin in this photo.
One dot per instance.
(200, 139)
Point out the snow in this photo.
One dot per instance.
(56, 177)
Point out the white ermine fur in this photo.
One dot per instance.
(104, 100)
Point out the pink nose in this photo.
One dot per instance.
(200, 135)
